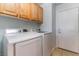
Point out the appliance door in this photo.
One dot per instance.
(47, 44)
(32, 47)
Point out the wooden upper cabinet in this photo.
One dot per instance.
(25, 10)
(34, 12)
(9, 8)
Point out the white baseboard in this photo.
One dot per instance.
(0, 53)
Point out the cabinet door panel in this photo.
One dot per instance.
(34, 12)
(40, 14)
(9, 8)
(25, 10)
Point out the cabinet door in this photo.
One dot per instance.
(1, 7)
(34, 12)
(40, 14)
(9, 8)
(25, 10)
(31, 47)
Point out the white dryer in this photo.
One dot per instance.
(22, 44)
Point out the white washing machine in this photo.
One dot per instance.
(22, 44)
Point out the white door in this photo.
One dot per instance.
(67, 29)
(31, 47)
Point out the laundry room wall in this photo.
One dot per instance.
(49, 22)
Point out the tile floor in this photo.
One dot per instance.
(62, 52)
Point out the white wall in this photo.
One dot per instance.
(47, 17)
(65, 6)
(54, 24)
(49, 22)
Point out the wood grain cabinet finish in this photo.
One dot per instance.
(40, 14)
(9, 9)
(36, 13)
(27, 11)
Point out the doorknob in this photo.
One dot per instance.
(59, 31)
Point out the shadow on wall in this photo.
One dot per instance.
(1, 37)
